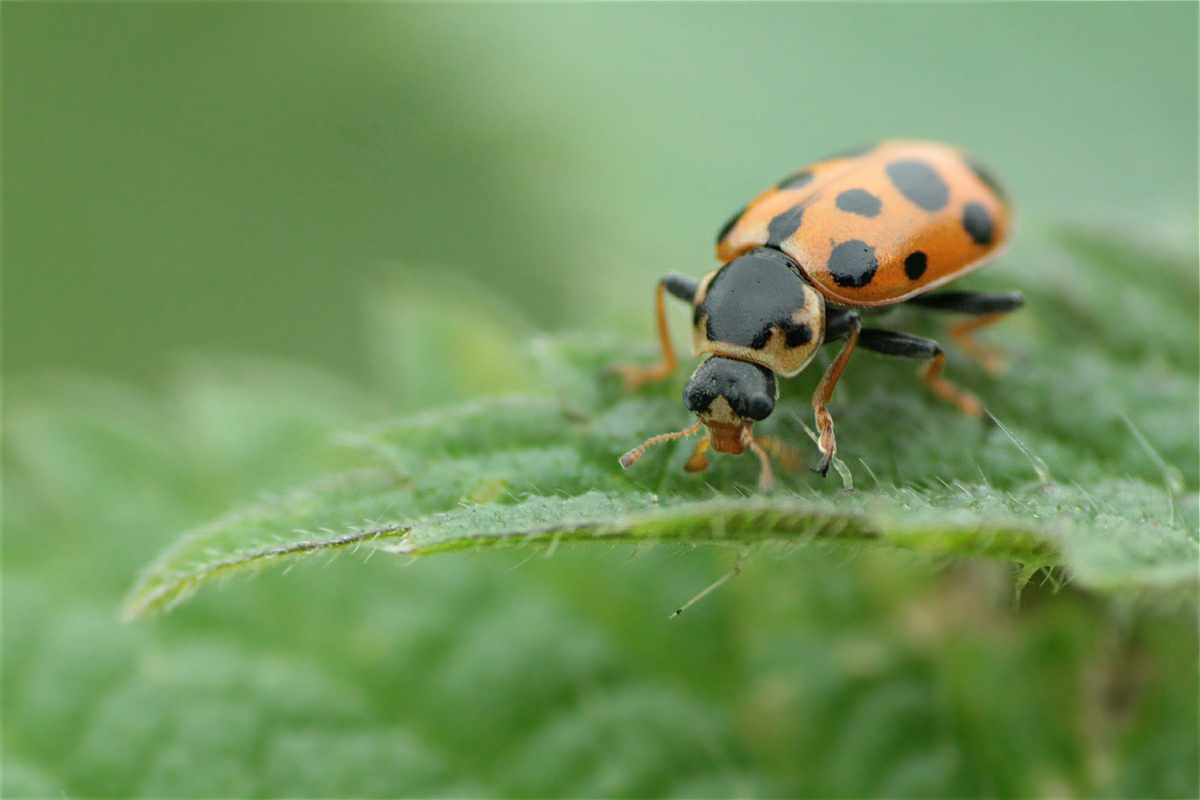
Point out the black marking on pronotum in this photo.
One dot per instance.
(797, 334)
(859, 201)
(853, 263)
(977, 222)
(728, 226)
(984, 174)
(920, 183)
(797, 180)
(749, 388)
(749, 295)
(915, 264)
(784, 225)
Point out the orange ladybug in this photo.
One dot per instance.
(873, 227)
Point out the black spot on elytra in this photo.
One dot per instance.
(984, 174)
(859, 201)
(760, 339)
(797, 180)
(920, 183)
(728, 226)
(784, 225)
(853, 263)
(797, 334)
(914, 265)
(978, 223)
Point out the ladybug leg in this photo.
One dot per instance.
(697, 462)
(905, 345)
(685, 289)
(766, 481)
(788, 456)
(989, 308)
(987, 357)
(845, 325)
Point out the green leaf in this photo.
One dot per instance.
(1048, 486)
(869, 644)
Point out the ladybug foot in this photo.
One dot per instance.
(931, 373)
(826, 442)
(970, 405)
(698, 462)
(966, 402)
(766, 481)
(635, 377)
(787, 456)
(992, 362)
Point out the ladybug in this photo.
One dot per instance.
(873, 227)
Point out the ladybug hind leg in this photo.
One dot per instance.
(683, 288)
(988, 308)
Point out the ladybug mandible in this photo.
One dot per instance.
(874, 227)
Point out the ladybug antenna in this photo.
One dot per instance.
(633, 455)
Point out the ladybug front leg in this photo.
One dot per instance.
(837, 326)
(685, 289)
(698, 462)
(788, 456)
(905, 345)
(989, 308)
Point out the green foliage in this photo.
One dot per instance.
(871, 644)
(536, 469)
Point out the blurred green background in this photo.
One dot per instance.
(232, 177)
(222, 219)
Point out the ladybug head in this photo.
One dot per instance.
(729, 395)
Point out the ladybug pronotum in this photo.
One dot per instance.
(875, 227)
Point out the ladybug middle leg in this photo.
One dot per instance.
(988, 308)
(905, 345)
(683, 288)
(847, 324)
